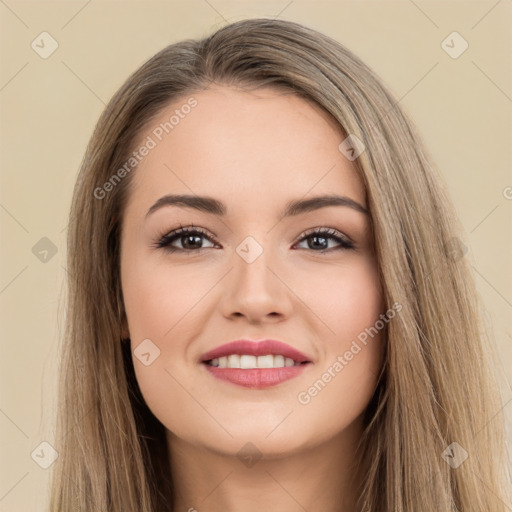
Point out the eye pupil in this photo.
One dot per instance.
(315, 239)
(188, 238)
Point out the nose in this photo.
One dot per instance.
(257, 290)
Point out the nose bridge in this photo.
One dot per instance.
(251, 261)
(253, 288)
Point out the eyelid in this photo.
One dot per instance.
(182, 230)
(324, 230)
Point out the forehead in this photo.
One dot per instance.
(248, 148)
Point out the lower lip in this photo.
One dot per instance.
(256, 378)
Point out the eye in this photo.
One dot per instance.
(189, 238)
(319, 239)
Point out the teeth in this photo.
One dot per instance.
(279, 361)
(265, 361)
(247, 362)
(233, 361)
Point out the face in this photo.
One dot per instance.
(307, 279)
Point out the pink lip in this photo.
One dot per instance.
(256, 378)
(256, 348)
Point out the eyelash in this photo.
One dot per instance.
(165, 240)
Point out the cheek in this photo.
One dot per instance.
(160, 302)
(158, 296)
(350, 304)
(341, 390)
(358, 302)
(346, 298)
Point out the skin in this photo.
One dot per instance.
(254, 151)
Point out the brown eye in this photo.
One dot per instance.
(189, 238)
(318, 240)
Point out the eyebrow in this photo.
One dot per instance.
(215, 207)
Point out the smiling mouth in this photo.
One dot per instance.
(256, 372)
(250, 362)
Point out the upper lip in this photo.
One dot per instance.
(256, 348)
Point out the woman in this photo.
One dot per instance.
(221, 353)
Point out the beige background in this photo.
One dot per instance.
(49, 107)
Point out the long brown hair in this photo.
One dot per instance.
(437, 385)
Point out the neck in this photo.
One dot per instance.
(321, 477)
